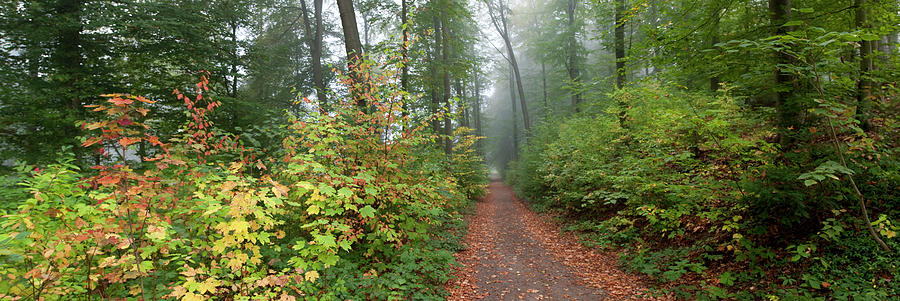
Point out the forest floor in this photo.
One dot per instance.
(514, 254)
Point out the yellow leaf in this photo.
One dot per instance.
(286, 297)
(156, 233)
(208, 286)
(192, 297)
(311, 276)
(228, 186)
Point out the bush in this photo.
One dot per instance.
(693, 183)
(204, 217)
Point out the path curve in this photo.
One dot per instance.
(514, 254)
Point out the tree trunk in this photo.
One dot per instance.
(69, 62)
(573, 55)
(498, 18)
(68, 53)
(544, 84)
(619, 40)
(515, 118)
(463, 103)
(864, 84)
(713, 40)
(435, 98)
(518, 77)
(314, 40)
(477, 107)
(234, 59)
(787, 113)
(445, 59)
(353, 47)
(404, 71)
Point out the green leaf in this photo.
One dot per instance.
(792, 23)
(345, 192)
(345, 244)
(326, 241)
(869, 37)
(326, 189)
(727, 278)
(146, 265)
(367, 211)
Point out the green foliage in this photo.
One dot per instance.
(355, 205)
(694, 182)
(467, 166)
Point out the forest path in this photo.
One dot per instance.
(514, 254)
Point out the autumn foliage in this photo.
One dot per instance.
(351, 201)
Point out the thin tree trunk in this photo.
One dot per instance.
(318, 76)
(463, 103)
(314, 40)
(498, 18)
(445, 58)
(713, 40)
(864, 84)
(515, 119)
(353, 47)
(68, 53)
(404, 71)
(234, 58)
(544, 83)
(573, 56)
(68, 60)
(518, 78)
(435, 98)
(365, 30)
(477, 107)
(619, 40)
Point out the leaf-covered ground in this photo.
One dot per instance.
(514, 254)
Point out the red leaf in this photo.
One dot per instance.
(125, 122)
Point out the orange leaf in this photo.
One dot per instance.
(144, 100)
(126, 141)
(91, 141)
(108, 180)
(120, 101)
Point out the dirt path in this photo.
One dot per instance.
(514, 254)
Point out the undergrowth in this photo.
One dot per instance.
(696, 193)
(346, 205)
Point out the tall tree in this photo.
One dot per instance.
(445, 60)
(353, 46)
(515, 119)
(314, 39)
(713, 40)
(435, 73)
(477, 106)
(498, 13)
(864, 84)
(619, 40)
(404, 54)
(572, 64)
(780, 15)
